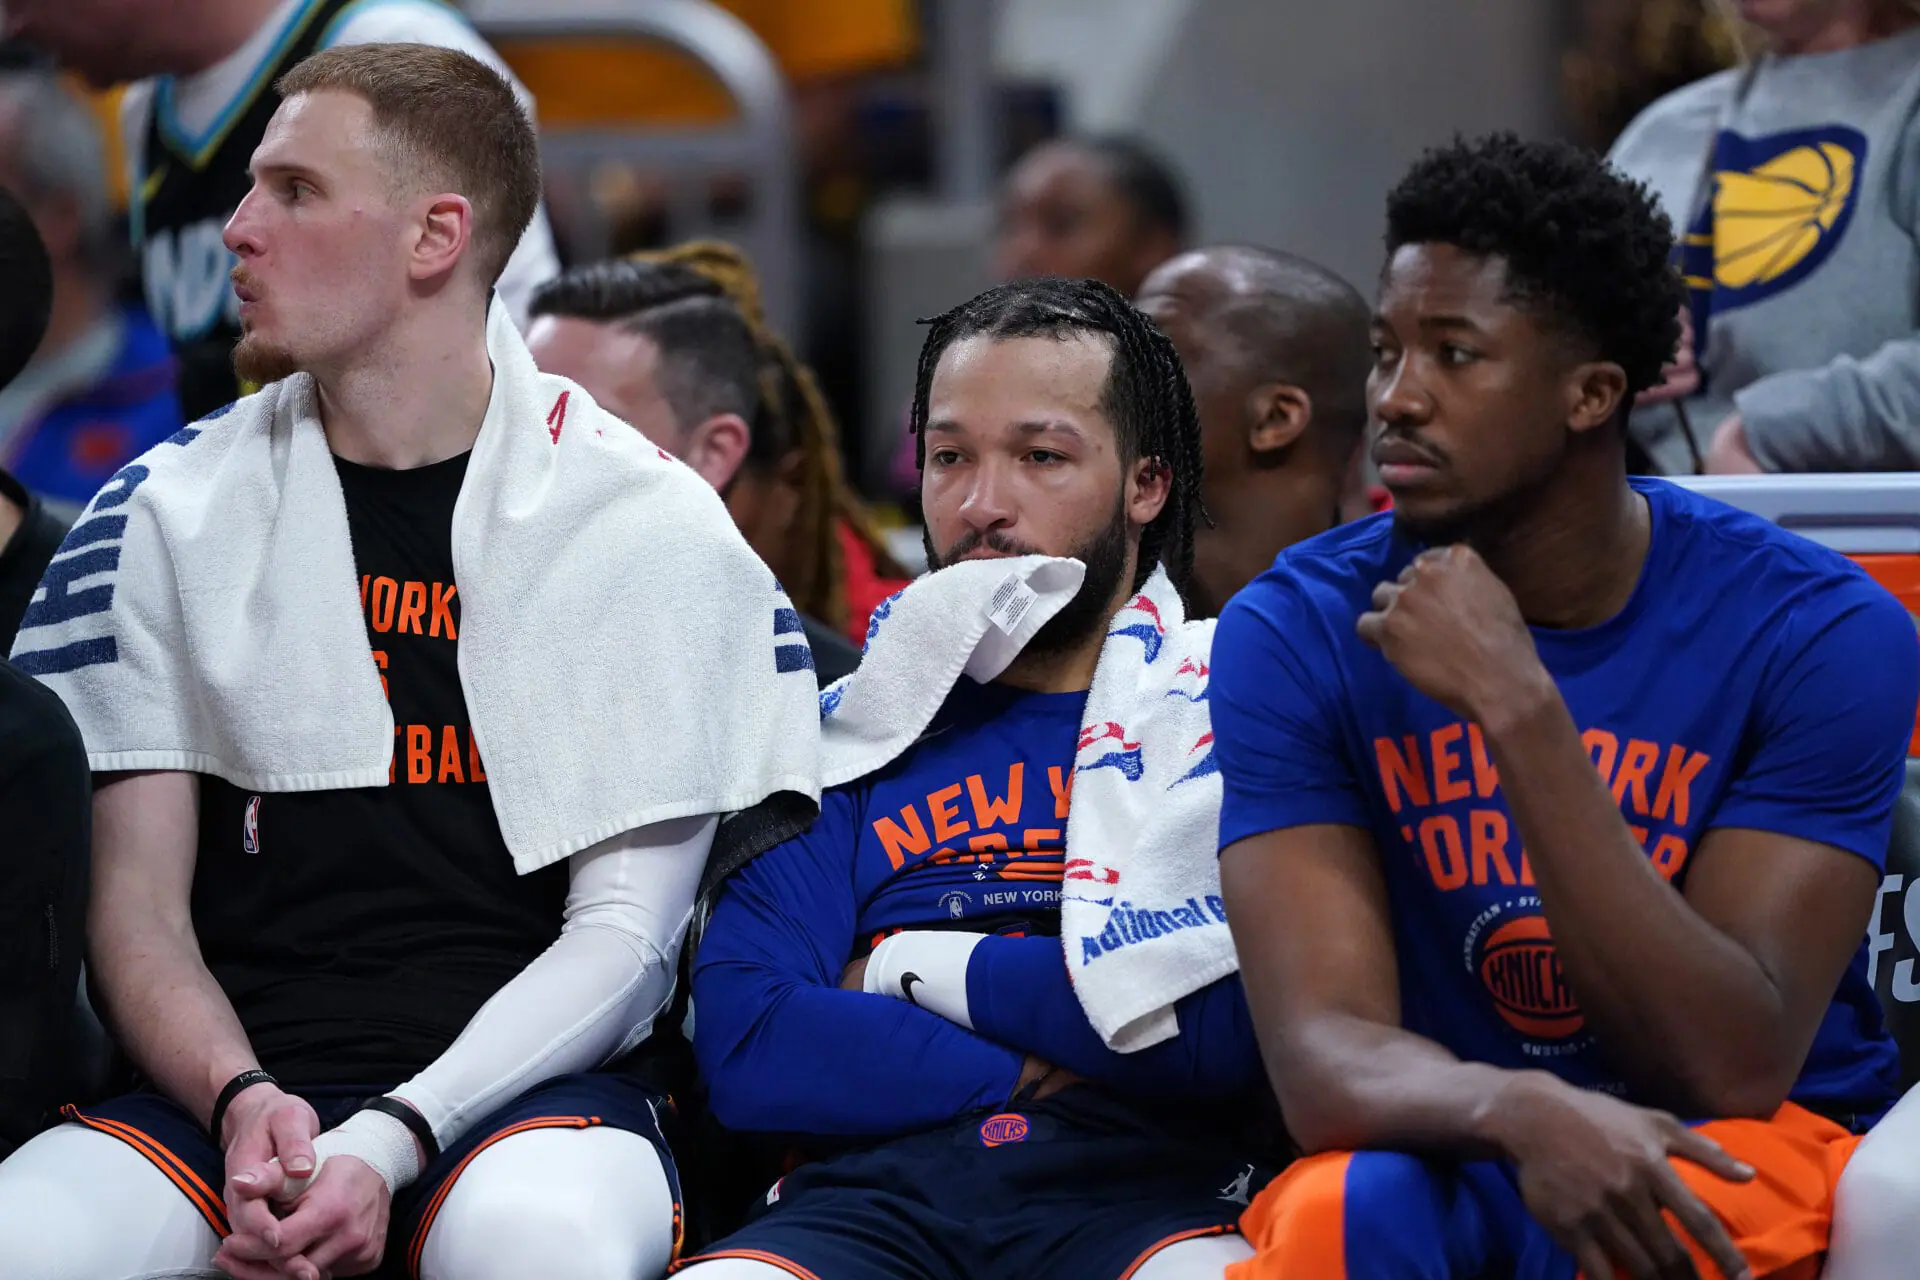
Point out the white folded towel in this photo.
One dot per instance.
(1141, 916)
(626, 658)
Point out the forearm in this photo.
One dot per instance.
(1684, 1006)
(591, 995)
(1347, 1083)
(167, 1011)
(782, 1055)
(1851, 414)
(164, 1006)
(1020, 994)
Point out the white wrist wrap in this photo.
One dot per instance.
(381, 1142)
(927, 968)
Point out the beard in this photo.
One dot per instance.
(260, 362)
(1103, 553)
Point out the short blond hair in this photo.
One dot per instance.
(451, 118)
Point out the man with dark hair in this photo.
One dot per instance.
(1100, 208)
(373, 979)
(1275, 348)
(893, 985)
(44, 783)
(1556, 802)
(664, 345)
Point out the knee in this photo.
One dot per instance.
(1876, 1196)
(45, 1229)
(567, 1220)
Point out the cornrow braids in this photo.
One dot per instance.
(1146, 396)
(793, 415)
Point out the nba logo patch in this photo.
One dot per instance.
(250, 829)
(998, 1131)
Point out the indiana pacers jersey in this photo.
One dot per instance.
(1752, 680)
(182, 197)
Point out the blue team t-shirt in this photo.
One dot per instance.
(969, 827)
(1753, 679)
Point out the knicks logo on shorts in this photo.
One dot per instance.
(1522, 973)
(998, 1131)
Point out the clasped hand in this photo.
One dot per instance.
(283, 1226)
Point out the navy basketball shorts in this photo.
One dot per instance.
(1078, 1187)
(162, 1131)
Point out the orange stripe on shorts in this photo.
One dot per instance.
(419, 1244)
(178, 1171)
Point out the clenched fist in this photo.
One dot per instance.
(1454, 631)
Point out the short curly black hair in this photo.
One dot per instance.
(1585, 246)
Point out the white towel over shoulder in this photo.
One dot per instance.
(1141, 916)
(626, 658)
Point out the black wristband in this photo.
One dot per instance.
(232, 1090)
(429, 1149)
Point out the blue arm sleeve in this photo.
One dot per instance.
(783, 1048)
(1827, 747)
(1019, 994)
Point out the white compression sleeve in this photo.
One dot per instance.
(591, 995)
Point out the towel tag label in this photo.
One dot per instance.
(1011, 600)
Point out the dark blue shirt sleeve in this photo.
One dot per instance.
(1283, 760)
(782, 1047)
(1827, 746)
(1019, 993)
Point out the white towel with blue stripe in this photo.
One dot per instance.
(1141, 917)
(626, 658)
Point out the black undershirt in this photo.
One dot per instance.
(357, 932)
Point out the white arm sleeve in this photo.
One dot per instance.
(591, 995)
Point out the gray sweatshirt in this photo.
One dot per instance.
(1805, 270)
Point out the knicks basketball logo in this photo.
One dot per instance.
(1780, 205)
(1521, 970)
(998, 1131)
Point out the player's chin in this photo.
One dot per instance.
(1431, 515)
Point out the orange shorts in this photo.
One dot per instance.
(1381, 1215)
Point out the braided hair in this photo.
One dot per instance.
(1146, 396)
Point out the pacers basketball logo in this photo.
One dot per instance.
(1780, 206)
(1522, 973)
(998, 1131)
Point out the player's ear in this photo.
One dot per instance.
(444, 233)
(1148, 486)
(1278, 412)
(1595, 392)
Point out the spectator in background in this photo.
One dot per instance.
(662, 347)
(44, 782)
(206, 71)
(1276, 350)
(1794, 179)
(100, 391)
(787, 493)
(1101, 208)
